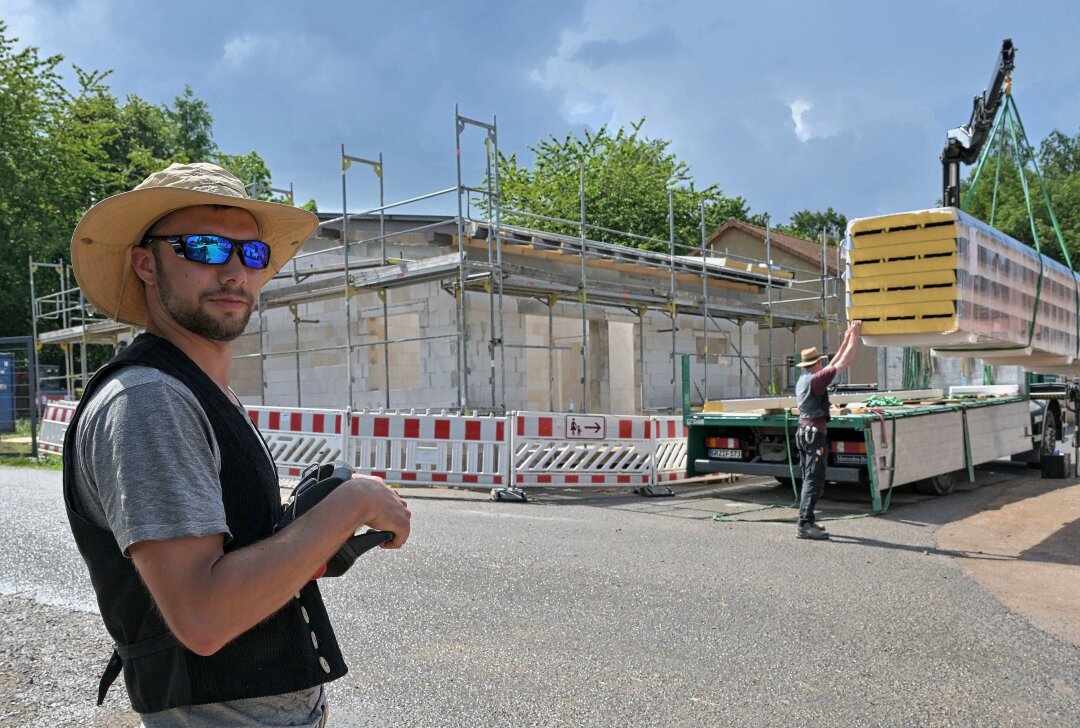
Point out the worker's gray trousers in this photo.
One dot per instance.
(811, 446)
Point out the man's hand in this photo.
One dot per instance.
(385, 510)
(208, 597)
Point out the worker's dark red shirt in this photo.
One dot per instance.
(819, 384)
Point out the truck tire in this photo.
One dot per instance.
(1047, 439)
(937, 485)
(1051, 432)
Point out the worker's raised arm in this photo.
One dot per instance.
(846, 353)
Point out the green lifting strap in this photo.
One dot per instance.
(1009, 122)
(1030, 154)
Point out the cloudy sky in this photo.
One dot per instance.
(792, 104)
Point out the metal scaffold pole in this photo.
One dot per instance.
(462, 338)
(824, 300)
(768, 307)
(347, 287)
(671, 305)
(552, 298)
(641, 311)
(382, 256)
(492, 273)
(704, 302)
(499, 263)
(742, 362)
(584, 296)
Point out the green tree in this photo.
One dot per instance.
(811, 225)
(34, 206)
(252, 169)
(62, 150)
(627, 177)
(192, 126)
(999, 199)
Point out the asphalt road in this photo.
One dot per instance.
(602, 609)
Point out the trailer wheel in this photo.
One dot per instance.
(937, 485)
(1051, 431)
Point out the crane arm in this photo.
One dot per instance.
(964, 143)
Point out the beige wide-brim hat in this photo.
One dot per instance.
(810, 357)
(102, 242)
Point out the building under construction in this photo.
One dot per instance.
(386, 308)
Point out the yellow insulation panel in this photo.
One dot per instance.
(908, 326)
(895, 267)
(921, 249)
(917, 219)
(910, 295)
(902, 281)
(891, 311)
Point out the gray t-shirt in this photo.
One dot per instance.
(147, 468)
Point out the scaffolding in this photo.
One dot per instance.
(61, 316)
(477, 265)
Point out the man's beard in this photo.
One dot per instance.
(196, 320)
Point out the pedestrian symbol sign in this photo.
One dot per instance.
(584, 427)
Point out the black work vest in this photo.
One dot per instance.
(293, 649)
(811, 406)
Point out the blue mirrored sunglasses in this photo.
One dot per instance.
(216, 249)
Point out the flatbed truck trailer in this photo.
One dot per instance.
(926, 442)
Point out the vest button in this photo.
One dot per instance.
(314, 641)
(325, 664)
(303, 612)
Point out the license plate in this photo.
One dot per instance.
(723, 453)
(844, 459)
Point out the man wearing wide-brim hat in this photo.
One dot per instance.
(171, 493)
(812, 393)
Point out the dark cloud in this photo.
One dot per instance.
(599, 53)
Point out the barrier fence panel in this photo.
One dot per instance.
(54, 422)
(298, 437)
(521, 450)
(669, 435)
(428, 449)
(581, 451)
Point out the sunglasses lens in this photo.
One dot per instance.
(211, 249)
(255, 254)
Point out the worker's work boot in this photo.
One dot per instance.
(811, 532)
(818, 526)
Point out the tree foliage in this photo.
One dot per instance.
(999, 199)
(812, 225)
(66, 145)
(627, 177)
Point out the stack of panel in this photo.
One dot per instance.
(942, 279)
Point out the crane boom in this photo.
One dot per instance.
(964, 143)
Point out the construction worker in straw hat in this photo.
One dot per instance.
(812, 393)
(171, 493)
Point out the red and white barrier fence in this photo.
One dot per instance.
(430, 449)
(520, 450)
(300, 437)
(670, 452)
(580, 451)
(54, 422)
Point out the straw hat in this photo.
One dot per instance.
(102, 242)
(810, 357)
